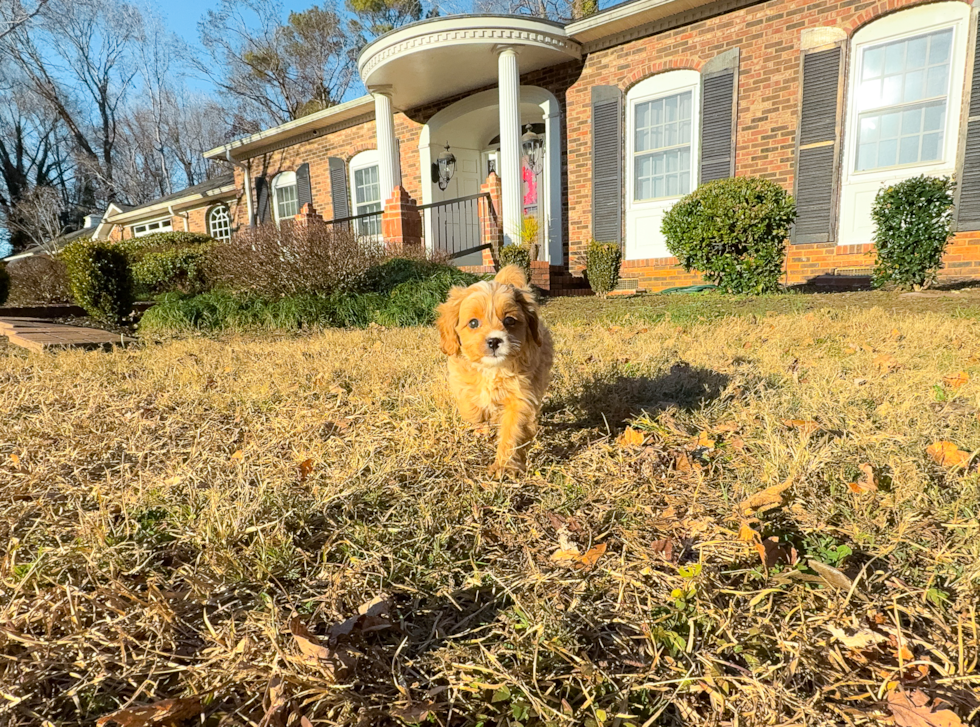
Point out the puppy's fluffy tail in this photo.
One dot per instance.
(511, 275)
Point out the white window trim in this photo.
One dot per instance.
(659, 86)
(146, 223)
(210, 214)
(900, 26)
(859, 188)
(363, 160)
(276, 184)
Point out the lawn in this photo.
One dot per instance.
(737, 511)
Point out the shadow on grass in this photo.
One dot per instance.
(603, 401)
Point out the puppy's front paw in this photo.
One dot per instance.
(506, 470)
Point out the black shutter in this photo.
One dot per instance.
(338, 188)
(817, 145)
(607, 164)
(263, 212)
(719, 101)
(968, 206)
(304, 194)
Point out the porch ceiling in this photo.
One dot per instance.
(444, 57)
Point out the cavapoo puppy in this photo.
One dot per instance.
(500, 356)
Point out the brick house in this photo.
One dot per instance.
(204, 208)
(624, 112)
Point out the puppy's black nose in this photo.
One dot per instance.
(494, 343)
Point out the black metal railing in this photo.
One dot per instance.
(367, 225)
(454, 228)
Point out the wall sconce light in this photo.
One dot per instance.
(444, 168)
(533, 147)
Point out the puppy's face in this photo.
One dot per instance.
(489, 323)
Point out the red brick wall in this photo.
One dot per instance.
(768, 36)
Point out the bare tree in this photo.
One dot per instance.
(14, 13)
(561, 10)
(39, 215)
(275, 70)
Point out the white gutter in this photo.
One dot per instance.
(248, 184)
(185, 215)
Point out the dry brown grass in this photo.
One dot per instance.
(165, 512)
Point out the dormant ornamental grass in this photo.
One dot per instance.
(734, 521)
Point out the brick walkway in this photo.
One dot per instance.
(39, 334)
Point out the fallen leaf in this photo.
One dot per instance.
(592, 555)
(15, 458)
(308, 644)
(956, 380)
(630, 438)
(805, 426)
(866, 482)
(748, 534)
(305, 469)
(704, 441)
(773, 553)
(860, 639)
(767, 499)
(664, 548)
(913, 710)
(164, 712)
(577, 560)
(414, 713)
(885, 362)
(947, 454)
(896, 333)
(682, 463)
(273, 702)
(238, 456)
(830, 574)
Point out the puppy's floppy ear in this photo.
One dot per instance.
(526, 301)
(448, 318)
(511, 275)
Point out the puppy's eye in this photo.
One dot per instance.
(510, 321)
(475, 323)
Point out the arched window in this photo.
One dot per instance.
(903, 106)
(219, 222)
(286, 199)
(366, 191)
(662, 128)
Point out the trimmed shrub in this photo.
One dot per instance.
(409, 291)
(163, 241)
(289, 260)
(100, 279)
(175, 269)
(39, 279)
(387, 276)
(4, 283)
(734, 232)
(913, 222)
(602, 261)
(517, 255)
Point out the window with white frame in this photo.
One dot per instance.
(662, 137)
(366, 192)
(149, 228)
(285, 195)
(902, 97)
(219, 222)
(662, 159)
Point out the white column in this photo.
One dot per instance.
(509, 90)
(389, 167)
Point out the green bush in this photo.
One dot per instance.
(177, 268)
(517, 255)
(163, 241)
(912, 228)
(602, 261)
(406, 293)
(734, 232)
(100, 279)
(4, 283)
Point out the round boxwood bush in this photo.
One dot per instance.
(602, 261)
(176, 268)
(100, 279)
(913, 222)
(518, 255)
(4, 283)
(734, 232)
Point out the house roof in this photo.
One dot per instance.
(54, 245)
(633, 17)
(219, 187)
(361, 109)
